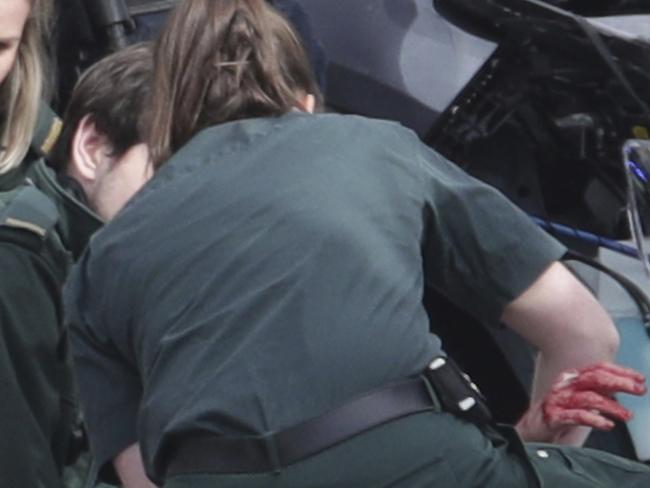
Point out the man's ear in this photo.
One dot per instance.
(90, 150)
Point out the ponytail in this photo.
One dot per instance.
(223, 60)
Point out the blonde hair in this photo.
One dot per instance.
(25, 86)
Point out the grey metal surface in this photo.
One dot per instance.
(628, 26)
(610, 294)
(634, 351)
(394, 59)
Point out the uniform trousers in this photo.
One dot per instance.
(438, 450)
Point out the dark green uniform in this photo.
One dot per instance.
(273, 269)
(42, 228)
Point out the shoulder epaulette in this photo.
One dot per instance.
(47, 130)
(29, 209)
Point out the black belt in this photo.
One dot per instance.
(210, 453)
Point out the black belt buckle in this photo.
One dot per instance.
(457, 393)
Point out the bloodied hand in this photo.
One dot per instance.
(581, 397)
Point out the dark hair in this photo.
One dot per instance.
(113, 92)
(223, 60)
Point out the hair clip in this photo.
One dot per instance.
(227, 64)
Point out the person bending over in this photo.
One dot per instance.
(256, 311)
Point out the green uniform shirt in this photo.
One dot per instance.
(273, 269)
(37, 410)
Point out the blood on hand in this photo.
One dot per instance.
(582, 397)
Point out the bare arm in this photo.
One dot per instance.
(561, 318)
(129, 468)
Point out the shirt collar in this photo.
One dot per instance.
(77, 222)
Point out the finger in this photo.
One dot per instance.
(565, 378)
(614, 369)
(592, 401)
(559, 418)
(607, 376)
(607, 382)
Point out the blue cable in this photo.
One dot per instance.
(597, 240)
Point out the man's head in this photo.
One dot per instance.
(101, 145)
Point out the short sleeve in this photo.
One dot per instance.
(479, 250)
(109, 385)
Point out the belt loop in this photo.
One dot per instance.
(272, 451)
(435, 400)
